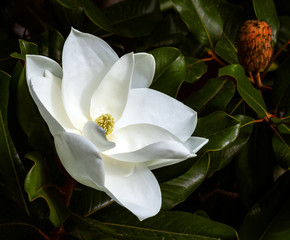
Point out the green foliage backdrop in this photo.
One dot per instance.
(238, 185)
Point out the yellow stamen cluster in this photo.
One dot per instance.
(107, 122)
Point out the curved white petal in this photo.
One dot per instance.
(156, 151)
(48, 92)
(97, 136)
(86, 59)
(112, 94)
(195, 143)
(81, 159)
(144, 69)
(153, 107)
(137, 136)
(53, 125)
(138, 191)
(36, 66)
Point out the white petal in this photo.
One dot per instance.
(48, 92)
(196, 143)
(97, 136)
(153, 107)
(156, 151)
(53, 125)
(36, 65)
(135, 137)
(144, 69)
(138, 191)
(112, 93)
(86, 60)
(81, 159)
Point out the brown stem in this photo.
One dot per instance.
(215, 57)
(274, 58)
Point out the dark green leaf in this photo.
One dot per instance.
(220, 128)
(214, 95)
(266, 11)
(222, 158)
(226, 49)
(52, 45)
(251, 95)
(170, 70)
(281, 148)
(202, 19)
(166, 225)
(25, 48)
(134, 18)
(284, 32)
(38, 183)
(270, 218)
(254, 165)
(11, 169)
(281, 88)
(91, 199)
(179, 189)
(195, 68)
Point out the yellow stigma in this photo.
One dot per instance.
(107, 122)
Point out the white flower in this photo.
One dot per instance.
(109, 129)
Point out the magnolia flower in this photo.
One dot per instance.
(109, 128)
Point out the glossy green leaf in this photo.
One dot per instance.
(281, 88)
(95, 14)
(222, 158)
(12, 171)
(170, 70)
(25, 48)
(134, 18)
(281, 148)
(166, 225)
(52, 44)
(202, 18)
(251, 95)
(195, 68)
(270, 217)
(226, 49)
(214, 95)
(220, 128)
(38, 184)
(254, 166)
(92, 200)
(265, 10)
(284, 31)
(179, 189)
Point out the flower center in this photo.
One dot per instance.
(107, 122)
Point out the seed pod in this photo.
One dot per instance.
(255, 45)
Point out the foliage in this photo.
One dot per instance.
(238, 185)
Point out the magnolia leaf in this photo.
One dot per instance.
(170, 70)
(281, 148)
(12, 171)
(251, 95)
(214, 95)
(202, 18)
(25, 48)
(284, 31)
(226, 49)
(220, 128)
(266, 11)
(222, 158)
(195, 68)
(38, 184)
(165, 225)
(254, 165)
(270, 217)
(179, 189)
